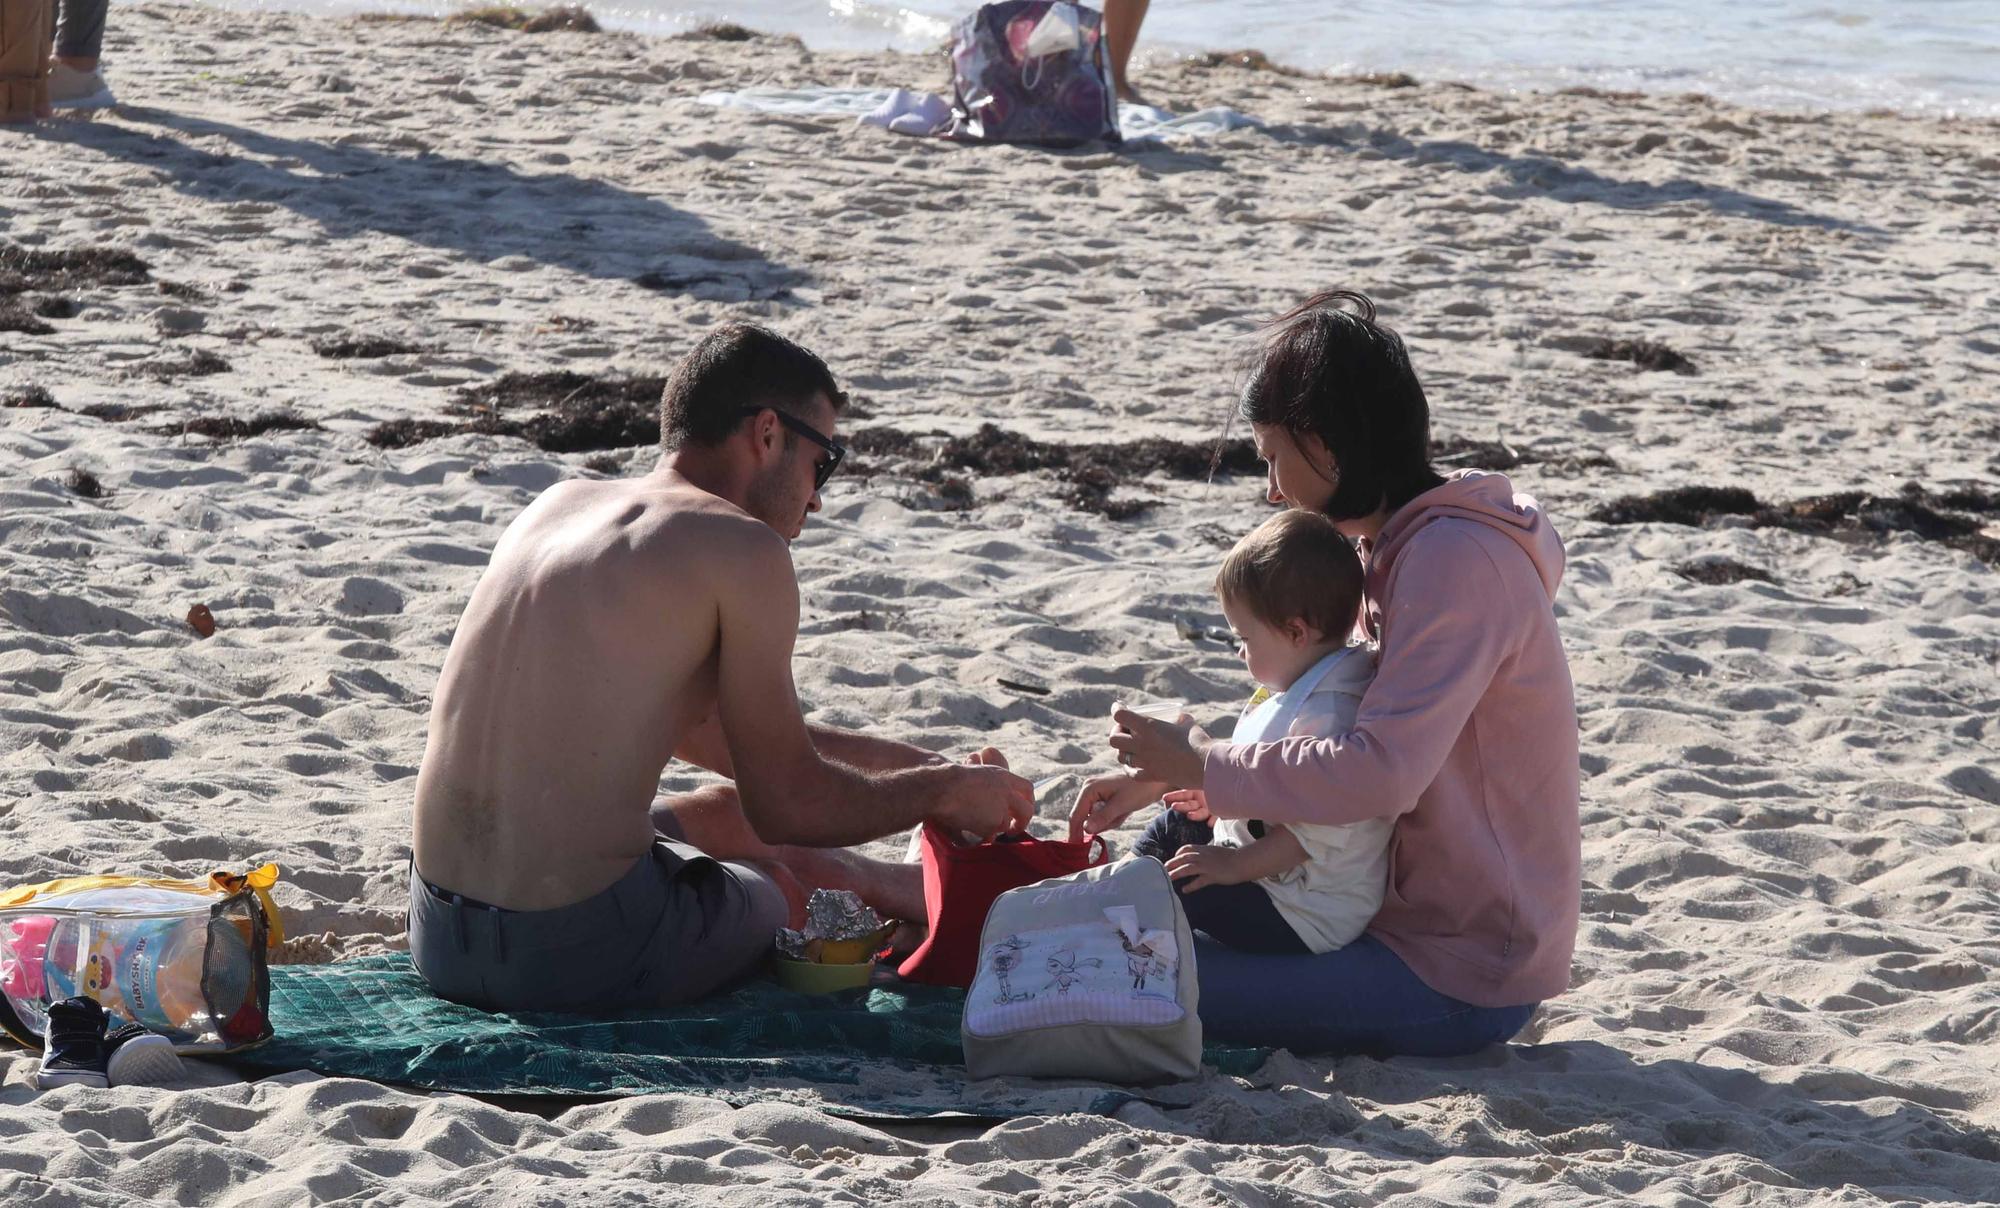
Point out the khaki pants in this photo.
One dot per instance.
(24, 58)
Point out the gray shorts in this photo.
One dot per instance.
(677, 926)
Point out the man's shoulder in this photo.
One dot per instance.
(690, 524)
(716, 531)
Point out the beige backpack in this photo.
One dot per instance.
(1091, 975)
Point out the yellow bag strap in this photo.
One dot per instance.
(258, 881)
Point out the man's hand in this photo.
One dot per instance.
(1207, 864)
(1107, 801)
(1192, 802)
(985, 800)
(1167, 751)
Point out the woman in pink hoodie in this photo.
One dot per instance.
(1467, 737)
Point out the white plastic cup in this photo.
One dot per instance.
(1163, 710)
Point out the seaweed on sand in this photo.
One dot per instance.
(1648, 355)
(227, 427)
(367, 348)
(718, 31)
(118, 413)
(58, 271)
(29, 396)
(1693, 506)
(14, 317)
(83, 484)
(199, 363)
(1914, 510)
(402, 433)
(67, 270)
(553, 391)
(1090, 473)
(573, 413)
(573, 18)
(1721, 572)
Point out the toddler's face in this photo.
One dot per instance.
(1275, 656)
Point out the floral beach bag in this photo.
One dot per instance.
(1091, 975)
(1032, 71)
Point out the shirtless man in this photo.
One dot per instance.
(623, 624)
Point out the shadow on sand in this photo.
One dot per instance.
(469, 208)
(1522, 176)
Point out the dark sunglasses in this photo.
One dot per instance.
(823, 468)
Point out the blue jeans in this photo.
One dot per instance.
(1261, 985)
(1358, 999)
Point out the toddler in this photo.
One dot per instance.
(1291, 591)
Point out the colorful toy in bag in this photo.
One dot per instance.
(184, 958)
(962, 880)
(1032, 71)
(1091, 975)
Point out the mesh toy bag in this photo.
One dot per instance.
(187, 959)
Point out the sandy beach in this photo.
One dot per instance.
(340, 297)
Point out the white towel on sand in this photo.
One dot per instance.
(921, 113)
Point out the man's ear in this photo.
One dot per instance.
(766, 433)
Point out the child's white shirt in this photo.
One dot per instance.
(1330, 899)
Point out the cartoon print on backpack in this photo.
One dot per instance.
(1141, 962)
(1065, 970)
(1005, 958)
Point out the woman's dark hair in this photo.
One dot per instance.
(737, 367)
(1338, 374)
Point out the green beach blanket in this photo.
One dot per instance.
(890, 1052)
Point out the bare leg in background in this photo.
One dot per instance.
(712, 819)
(1122, 19)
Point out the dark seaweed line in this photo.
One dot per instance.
(1931, 516)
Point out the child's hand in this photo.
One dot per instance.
(1192, 802)
(1208, 865)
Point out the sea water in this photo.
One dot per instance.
(1920, 56)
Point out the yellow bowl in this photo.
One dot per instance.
(809, 978)
(849, 952)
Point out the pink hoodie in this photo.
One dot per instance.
(1467, 737)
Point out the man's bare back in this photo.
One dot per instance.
(586, 655)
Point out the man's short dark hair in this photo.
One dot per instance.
(1295, 566)
(1336, 373)
(739, 366)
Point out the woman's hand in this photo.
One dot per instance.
(1166, 751)
(987, 757)
(1107, 801)
(1192, 802)
(1208, 864)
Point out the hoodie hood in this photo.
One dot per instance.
(1484, 498)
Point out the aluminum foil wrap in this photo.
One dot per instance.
(836, 919)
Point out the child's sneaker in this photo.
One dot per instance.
(72, 1045)
(137, 1057)
(73, 89)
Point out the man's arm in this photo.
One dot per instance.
(705, 746)
(868, 753)
(791, 793)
